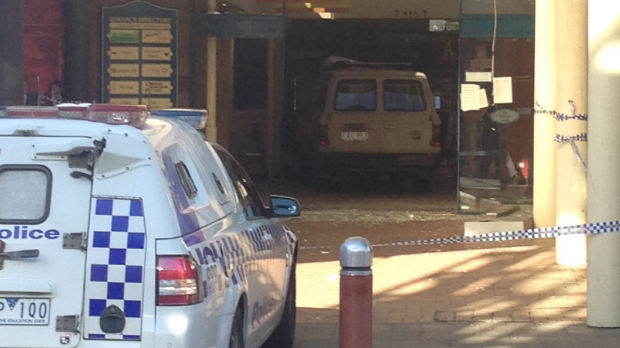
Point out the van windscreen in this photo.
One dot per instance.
(403, 95)
(356, 95)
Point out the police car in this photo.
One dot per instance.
(122, 230)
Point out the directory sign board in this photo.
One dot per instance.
(140, 55)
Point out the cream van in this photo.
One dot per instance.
(369, 117)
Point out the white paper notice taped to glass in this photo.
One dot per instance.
(478, 76)
(502, 90)
(484, 100)
(470, 97)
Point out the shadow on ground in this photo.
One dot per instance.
(464, 295)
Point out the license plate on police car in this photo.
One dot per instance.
(354, 136)
(24, 311)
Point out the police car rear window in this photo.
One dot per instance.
(25, 193)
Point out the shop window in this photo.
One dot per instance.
(250, 74)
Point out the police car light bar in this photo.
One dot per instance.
(31, 112)
(196, 118)
(134, 115)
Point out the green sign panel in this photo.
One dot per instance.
(124, 36)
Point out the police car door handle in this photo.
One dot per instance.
(77, 175)
(13, 255)
(22, 254)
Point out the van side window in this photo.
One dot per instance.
(244, 187)
(403, 95)
(356, 95)
(25, 194)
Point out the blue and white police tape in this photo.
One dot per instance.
(567, 139)
(535, 233)
(560, 116)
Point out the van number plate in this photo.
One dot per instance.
(354, 136)
(24, 311)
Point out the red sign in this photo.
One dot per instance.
(43, 44)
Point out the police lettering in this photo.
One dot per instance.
(24, 233)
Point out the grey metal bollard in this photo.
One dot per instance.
(356, 293)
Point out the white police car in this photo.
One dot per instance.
(118, 231)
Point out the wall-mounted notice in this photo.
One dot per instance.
(470, 97)
(139, 55)
(502, 90)
(484, 99)
(478, 76)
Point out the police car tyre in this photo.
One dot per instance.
(236, 332)
(284, 334)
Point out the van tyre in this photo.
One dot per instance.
(236, 333)
(284, 334)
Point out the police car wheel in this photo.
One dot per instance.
(284, 334)
(236, 333)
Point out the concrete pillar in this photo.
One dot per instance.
(212, 80)
(544, 125)
(11, 52)
(604, 162)
(572, 79)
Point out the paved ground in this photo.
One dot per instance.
(468, 295)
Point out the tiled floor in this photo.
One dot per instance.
(513, 296)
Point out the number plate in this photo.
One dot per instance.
(24, 311)
(354, 136)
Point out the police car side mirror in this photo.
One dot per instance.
(282, 206)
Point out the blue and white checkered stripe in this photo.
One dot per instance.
(535, 233)
(115, 266)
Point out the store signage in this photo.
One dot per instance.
(140, 55)
(440, 25)
(505, 116)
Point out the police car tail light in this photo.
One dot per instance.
(179, 281)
